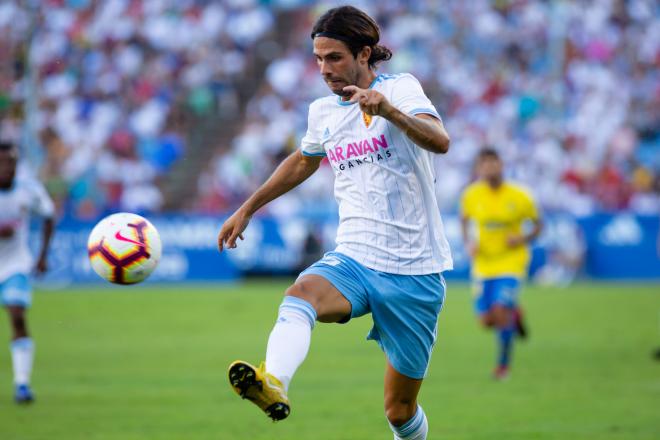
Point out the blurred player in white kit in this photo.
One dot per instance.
(19, 198)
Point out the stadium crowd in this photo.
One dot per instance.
(115, 82)
(569, 92)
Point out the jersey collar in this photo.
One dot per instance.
(371, 86)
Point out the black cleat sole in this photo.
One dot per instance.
(243, 377)
(278, 411)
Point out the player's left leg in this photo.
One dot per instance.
(406, 418)
(17, 297)
(519, 322)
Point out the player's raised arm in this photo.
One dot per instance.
(43, 206)
(293, 170)
(423, 129)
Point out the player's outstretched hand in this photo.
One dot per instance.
(232, 229)
(42, 266)
(371, 102)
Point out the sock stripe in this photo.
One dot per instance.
(300, 305)
(412, 425)
(21, 343)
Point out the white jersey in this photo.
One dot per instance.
(26, 196)
(389, 218)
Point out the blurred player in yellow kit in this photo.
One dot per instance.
(500, 256)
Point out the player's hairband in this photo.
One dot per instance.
(339, 37)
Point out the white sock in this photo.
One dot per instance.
(22, 354)
(289, 341)
(414, 429)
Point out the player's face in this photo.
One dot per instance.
(489, 168)
(337, 64)
(7, 168)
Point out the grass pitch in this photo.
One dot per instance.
(150, 363)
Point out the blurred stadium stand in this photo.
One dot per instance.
(123, 90)
(187, 106)
(116, 93)
(568, 91)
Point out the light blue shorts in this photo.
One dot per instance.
(404, 308)
(16, 291)
(491, 291)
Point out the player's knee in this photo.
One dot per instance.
(329, 304)
(399, 411)
(302, 290)
(487, 320)
(501, 317)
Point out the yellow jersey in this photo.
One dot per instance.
(498, 213)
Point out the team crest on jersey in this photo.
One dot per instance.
(367, 119)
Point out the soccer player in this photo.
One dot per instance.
(379, 133)
(18, 198)
(499, 253)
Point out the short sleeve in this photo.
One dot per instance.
(41, 204)
(310, 145)
(408, 97)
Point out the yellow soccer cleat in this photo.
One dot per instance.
(261, 388)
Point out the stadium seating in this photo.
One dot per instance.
(549, 84)
(565, 91)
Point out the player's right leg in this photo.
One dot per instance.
(504, 329)
(312, 297)
(483, 302)
(16, 297)
(504, 304)
(494, 314)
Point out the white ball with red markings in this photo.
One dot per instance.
(124, 248)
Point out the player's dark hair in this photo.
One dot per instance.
(488, 153)
(355, 28)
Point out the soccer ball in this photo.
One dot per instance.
(124, 248)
